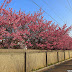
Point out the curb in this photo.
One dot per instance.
(51, 66)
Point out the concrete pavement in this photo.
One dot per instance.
(63, 67)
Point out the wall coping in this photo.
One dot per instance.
(29, 50)
(12, 50)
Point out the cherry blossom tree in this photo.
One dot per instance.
(19, 29)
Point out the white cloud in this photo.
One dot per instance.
(70, 33)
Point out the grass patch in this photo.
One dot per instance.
(37, 69)
(50, 64)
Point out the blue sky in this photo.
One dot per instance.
(60, 10)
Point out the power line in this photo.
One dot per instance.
(53, 10)
(45, 12)
(68, 9)
(69, 4)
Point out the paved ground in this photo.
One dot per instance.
(64, 67)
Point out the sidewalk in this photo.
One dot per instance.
(64, 67)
